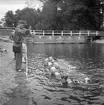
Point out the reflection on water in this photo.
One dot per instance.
(88, 59)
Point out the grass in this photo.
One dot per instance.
(7, 73)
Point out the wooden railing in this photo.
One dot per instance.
(7, 28)
(64, 33)
(59, 32)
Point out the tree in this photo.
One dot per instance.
(30, 15)
(48, 15)
(9, 19)
(17, 15)
(2, 22)
(60, 15)
(76, 14)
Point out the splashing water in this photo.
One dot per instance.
(47, 90)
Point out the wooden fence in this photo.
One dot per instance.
(64, 33)
(58, 32)
(59, 36)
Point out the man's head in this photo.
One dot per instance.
(21, 23)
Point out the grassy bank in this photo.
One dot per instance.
(5, 32)
(13, 84)
(7, 72)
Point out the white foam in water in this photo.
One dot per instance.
(49, 63)
(51, 58)
(87, 79)
(53, 69)
(73, 67)
(67, 70)
(76, 81)
(69, 81)
(56, 64)
(56, 73)
(46, 59)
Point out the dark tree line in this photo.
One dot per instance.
(28, 14)
(61, 14)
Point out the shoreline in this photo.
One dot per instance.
(99, 41)
(14, 84)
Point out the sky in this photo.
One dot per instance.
(6, 5)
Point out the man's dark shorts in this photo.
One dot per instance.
(17, 48)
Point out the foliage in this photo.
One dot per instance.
(7, 74)
(9, 18)
(77, 14)
(30, 15)
(48, 16)
(61, 14)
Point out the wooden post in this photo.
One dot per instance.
(34, 32)
(52, 33)
(88, 33)
(97, 33)
(43, 33)
(62, 33)
(71, 33)
(79, 33)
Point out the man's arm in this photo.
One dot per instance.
(11, 36)
(21, 30)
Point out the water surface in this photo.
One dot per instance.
(88, 59)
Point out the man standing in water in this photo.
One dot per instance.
(18, 38)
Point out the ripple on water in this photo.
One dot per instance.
(48, 91)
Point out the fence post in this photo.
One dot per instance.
(62, 33)
(71, 33)
(88, 33)
(52, 33)
(34, 32)
(97, 33)
(43, 33)
(79, 33)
